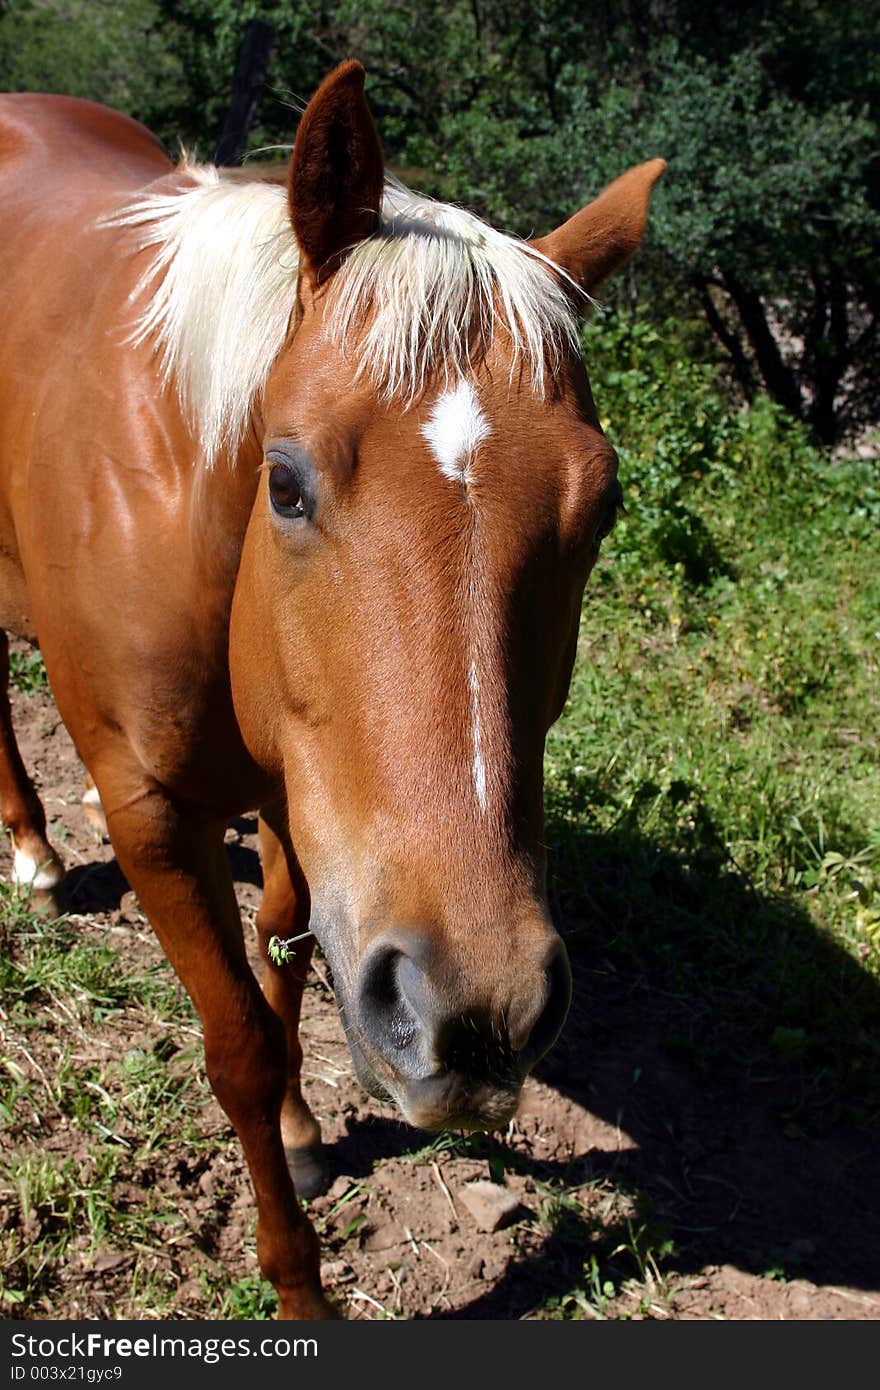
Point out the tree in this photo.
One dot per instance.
(767, 223)
(113, 51)
(768, 219)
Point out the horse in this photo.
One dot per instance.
(301, 485)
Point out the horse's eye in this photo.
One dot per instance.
(606, 525)
(285, 491)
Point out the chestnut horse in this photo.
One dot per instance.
(300, 491)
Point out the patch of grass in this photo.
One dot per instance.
(458, 1144)
(41, 959)
(104, 1089)
(55, 1204)
(713, 805)
(598, 1253)
(26, 671)
(720, 742)
(249, 1298)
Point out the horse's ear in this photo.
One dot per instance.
(598, 240)
(337, 173)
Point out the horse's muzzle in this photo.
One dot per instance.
(428, 1039)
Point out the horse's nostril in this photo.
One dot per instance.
(536, 1035)
(390, 1005)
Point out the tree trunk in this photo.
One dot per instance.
(828, 363)
(729, 339)
(779, 379)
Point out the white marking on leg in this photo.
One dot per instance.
(92, 797)
(455, 429)
(30, 873)
(478, 766)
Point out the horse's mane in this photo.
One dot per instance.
(420, 298)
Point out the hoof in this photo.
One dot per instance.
(308, 1168)
(97, 825)
(49, 902)
(93, 812)
(40, 881)
(309, 1310)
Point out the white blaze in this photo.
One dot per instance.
(478, 766)
(455, 429)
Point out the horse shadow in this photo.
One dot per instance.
(738, 1049)
(100, 885)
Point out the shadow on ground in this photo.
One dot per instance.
(738, 1051)
(101, 885)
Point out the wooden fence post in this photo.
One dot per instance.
(250, 74)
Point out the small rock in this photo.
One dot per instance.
(129, 907)
(476, 1267)
(384, 1237)
(336, 1272)
(189, 1291)
(491, 1205)
(339, 1188)
(108, 1259)
(800, 1298)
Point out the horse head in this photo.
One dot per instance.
(434, 491)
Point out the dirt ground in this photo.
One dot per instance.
(653, 1188)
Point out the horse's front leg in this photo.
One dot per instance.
(36, 867)
(177, 865)
(284, 912)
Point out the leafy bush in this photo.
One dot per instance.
(678, 434)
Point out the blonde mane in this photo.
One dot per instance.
(408, 304)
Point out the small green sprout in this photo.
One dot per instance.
(279, 949)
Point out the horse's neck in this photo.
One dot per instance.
(220, 499)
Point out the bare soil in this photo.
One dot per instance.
(688, 1187)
